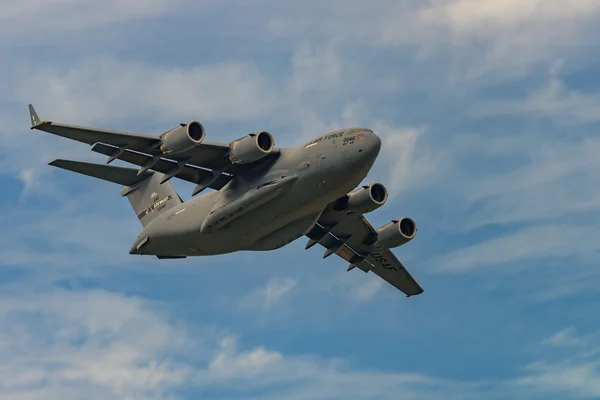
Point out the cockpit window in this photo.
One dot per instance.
(354, 131)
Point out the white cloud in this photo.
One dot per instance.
(369, 288)
(31, 17)
(276, 375)
(63, 239)
(492, 39)
(408, 158)
(566, 337)
(98, 344)
(101, 89)
(474, 19)
(580, 345)
(52, 8)
(29, 177)
(554, 101)
(522, 174)
(577, 374)
(559, 177)
(228, 363)
(261, 369)
(315, 68)
(92, 343)
(488, 37)
(540, 242)
(269, 295)
(581, 379)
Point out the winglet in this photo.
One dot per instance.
(35, 120)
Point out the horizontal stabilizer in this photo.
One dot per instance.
(122, 175)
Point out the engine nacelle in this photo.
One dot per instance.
(364, 199)
(396, 232)
(183, 138)
(251, 148)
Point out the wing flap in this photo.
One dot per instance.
(211, 155)
(170, 168)
(350, 229)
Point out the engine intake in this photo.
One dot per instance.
(251, 148)
(364, 199)
(396, 232)
(183, 138)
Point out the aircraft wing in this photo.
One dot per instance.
(352, 238)
(143, 150)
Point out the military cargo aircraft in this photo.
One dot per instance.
(263, 197)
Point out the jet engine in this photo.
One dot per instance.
(251, 148)
(396, 232)
(183, 138)
(364, 199)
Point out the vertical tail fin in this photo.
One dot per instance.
(147, 196)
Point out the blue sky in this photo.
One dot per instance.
(489, 114)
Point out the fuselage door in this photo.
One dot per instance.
(320, 159)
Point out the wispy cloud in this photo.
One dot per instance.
(93, 343)
(122, 89)
(102, 344)
(266, 369)
(544, 184)
(29, 18)
(554, 100)
(491, 39)
(96, 344)
(576, 375)
(369, 288)
(471, 20)
(535, 243)
(269, 295)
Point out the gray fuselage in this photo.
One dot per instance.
(318, 172)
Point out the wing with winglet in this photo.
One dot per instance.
(180, 152)
(351, 237)
(88, 135)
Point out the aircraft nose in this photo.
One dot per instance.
(373, 145)
(376, 143)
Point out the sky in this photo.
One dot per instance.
(489, 113)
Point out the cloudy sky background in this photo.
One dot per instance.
(489, 111)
